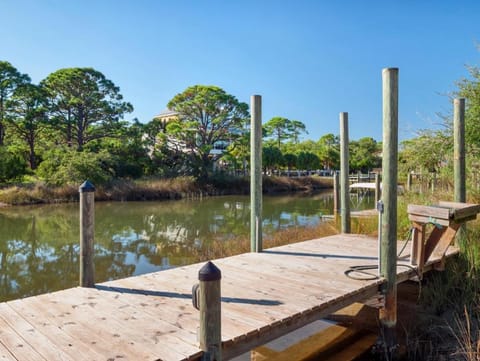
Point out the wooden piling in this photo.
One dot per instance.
(256, 174)
(87, 230)
(388, 314)
(344, 174)
(459, 150)
(209, 302)
(377, 188)
(336, 193)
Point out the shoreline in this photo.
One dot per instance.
(159, 189)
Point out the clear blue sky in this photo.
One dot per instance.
(309, 60)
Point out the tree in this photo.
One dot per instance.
(307, 161)
(364, 154)
(206, 115)
(290, 160)
(12, 165)
(10, 79)
(469, 88)
(329, 153)
(66, 166)
(426, 153)
(130, 150)
(297, 128)
(27, 114)
(84, 104)
(271, 157)
(281, 129)
(239, 152)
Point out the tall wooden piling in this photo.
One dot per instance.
(388, 253)
(459, 150)
(344, 174)
(209, 303)
(87, 230)
(336, 193)
(256, 174)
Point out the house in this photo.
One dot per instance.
(165, 117)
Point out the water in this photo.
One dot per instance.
(39, 245)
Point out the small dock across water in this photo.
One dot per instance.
(150, 317)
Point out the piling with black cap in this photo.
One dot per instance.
(209, 302)
(87, 230)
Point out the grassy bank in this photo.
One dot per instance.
(446, 324)
(157, 189)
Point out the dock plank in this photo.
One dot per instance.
(31, 335)
(16, 344)
(72, 346)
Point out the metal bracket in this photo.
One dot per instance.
(195, 296)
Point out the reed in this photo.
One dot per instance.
(221, 248)
(149, 189)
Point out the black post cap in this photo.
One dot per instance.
(209, 272)
(86, 187)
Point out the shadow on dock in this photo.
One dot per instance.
(250, 301)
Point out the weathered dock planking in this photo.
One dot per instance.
(151, 317)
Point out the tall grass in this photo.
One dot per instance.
(156, 189)
(222, 248)
(448, 323)
(467, 334)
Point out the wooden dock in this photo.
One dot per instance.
(151, 317)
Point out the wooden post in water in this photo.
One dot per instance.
(256, 174)
(209, 303)
(388, 254)
(377, 188)
(344, 174)
(87, 230)
(336, 193)
(459, 150)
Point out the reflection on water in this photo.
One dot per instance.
(39, 245)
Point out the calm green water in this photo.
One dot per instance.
(39, 245)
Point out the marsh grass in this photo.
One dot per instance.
(447, 323)
(467, 333)
(156, 189)
(221, 248)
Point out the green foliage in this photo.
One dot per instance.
(27, 116)
(364, 154)
(307, 161)
(469, 88)
(329, 151)
(63, 166)
(290, 160)
(10, 80)
(129, 151)
(429, 152)
(271, 157)
(12, 166)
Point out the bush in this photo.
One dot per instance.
(12, 166)
(64, 166)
